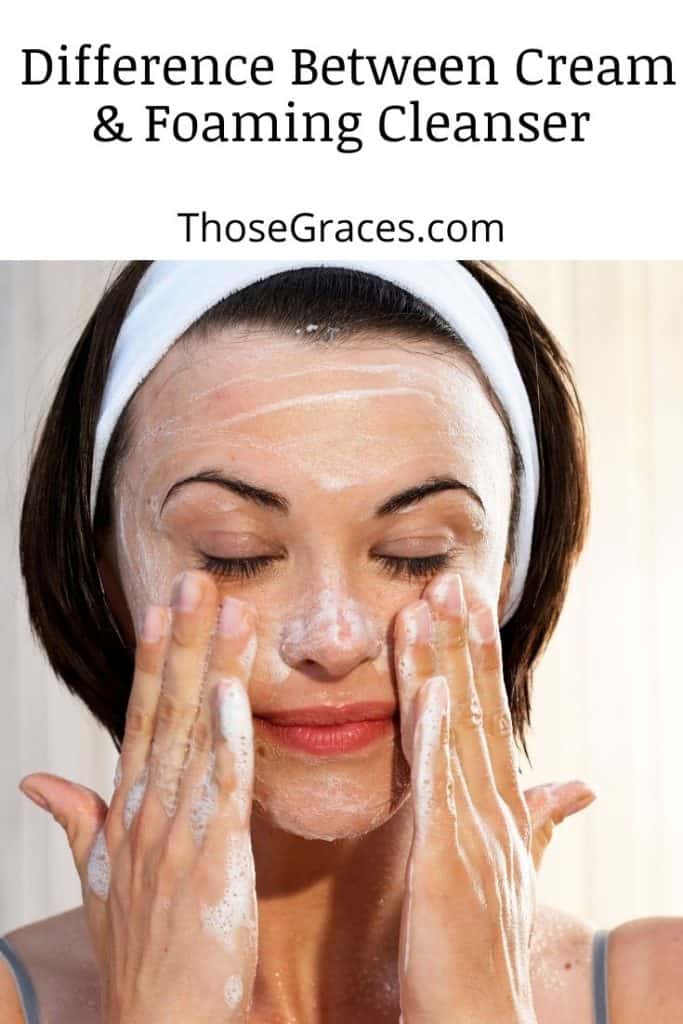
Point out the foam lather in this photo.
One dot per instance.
(172, 295)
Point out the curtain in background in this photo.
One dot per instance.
(608, 703)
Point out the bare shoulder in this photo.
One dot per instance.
(10, 1006)
(561, 965)
(55, 941)
(645, 971)
(645, 980)
(57, 955)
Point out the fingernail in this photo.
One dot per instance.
(34, 795)
(579, 805)
(232, 620)
(419, 623)
(449, 593)
(187, 592)
(154, 626)
(483, 626)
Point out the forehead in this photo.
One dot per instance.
(319, 409)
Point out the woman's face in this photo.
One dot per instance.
(332, 434)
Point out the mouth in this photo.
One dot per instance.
(330, 730)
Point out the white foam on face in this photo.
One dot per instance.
(135, 797)
(233, 991)
(274, 669)
(330, 466)
(424, 384)
(333, 620)
(175, 428)
(330, 802)
(98, 871)
(443, 420)
(262, 356)
(440, 383)
(204, 801)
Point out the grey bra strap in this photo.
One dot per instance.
(600, 1004)
(27, 995)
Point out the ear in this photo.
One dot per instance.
(107, 563)
(504, 588)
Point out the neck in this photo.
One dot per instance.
(329, 922)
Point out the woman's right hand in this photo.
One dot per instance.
(167, 869)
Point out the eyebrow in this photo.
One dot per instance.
(258, 495)
(278, 503)
(433, 485)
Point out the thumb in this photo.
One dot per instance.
(80, 811)
(549, 805)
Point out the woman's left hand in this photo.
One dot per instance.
(478, 839)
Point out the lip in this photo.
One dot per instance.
(330, 730)
(328, 714)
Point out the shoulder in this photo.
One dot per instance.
(644, 960)
(59, 940)
(56, 954)
(561, 967)
(10, 1006)
(645, 971)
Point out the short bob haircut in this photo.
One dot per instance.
(59, 547)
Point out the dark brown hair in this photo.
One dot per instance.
(58, 545)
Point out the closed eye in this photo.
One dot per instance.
(414, 568)
(237, 568)
(248, 568)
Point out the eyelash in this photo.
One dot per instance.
(396, 568)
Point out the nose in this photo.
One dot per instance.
(330, 637)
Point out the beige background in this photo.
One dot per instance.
(609, 699)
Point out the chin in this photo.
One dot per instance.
(330, 802)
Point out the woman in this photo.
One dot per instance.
(307, 529)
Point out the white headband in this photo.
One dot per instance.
(172, 295)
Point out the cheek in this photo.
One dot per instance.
(302, 623)
(297, 619)
(482, 571)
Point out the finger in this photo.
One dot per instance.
(194, 615)
(548, 806)
(233, 768)
(232, 657)
(80, 811)
(132, 771)
(447, 599)
(431, 783)
(414, 664)
(487, 661)
(150, 653)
